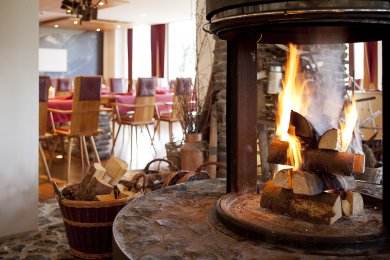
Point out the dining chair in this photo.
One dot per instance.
(84, 117)
(137, 114)
(118, 85)
(64, 87)
(174, 115)
(44, 133)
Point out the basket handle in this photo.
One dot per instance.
(218, 164)
(171, 164)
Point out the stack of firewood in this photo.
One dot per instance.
(321, 190)
(106, 183)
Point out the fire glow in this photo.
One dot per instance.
(347, 128)
(291, 98)
(296, 97)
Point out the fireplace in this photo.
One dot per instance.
(244, 24)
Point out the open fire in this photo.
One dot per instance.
(317, 183)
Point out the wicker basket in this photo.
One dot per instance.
(88, 225)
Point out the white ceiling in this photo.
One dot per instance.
(134, 11)
(150, 11)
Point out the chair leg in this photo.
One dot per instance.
(81, 141)
(69, 155)
(54, 150)
(170, 132)
(94, 149)
(131, 142)
(157, 129)
(86, 150)
(116, 137)
(150, 136)
(42, 153)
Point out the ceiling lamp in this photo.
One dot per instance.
(85, 10)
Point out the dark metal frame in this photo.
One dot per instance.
(242, 28)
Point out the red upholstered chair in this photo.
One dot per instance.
(183, 87)
(44, 134)
(64, 87)
(84, 116)
(141, 112)
(118, 85)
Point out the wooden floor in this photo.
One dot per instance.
(141, 154)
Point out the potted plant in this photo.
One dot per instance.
(193, 118)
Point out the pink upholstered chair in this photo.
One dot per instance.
(141, 112)
(84, 116)
(183, 87)
(64, 87)
(44, 134)
(118, 85)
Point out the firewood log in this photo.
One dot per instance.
(307, 183)
(331, 139)
(282, 179)
(323, 160)
(324, 208)
(115, 168)
(94, 183)
(356, 203)
(338, 181)
(303, 129)
(124, 191)
(277, 152)
(105, 197)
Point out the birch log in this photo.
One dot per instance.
(323, 209)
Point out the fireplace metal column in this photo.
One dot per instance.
(244, 22)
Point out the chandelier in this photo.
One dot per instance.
(85, 10)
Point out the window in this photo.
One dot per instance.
(181, 49)
(141, 52)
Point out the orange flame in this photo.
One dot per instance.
(291, 98)
(347, 127)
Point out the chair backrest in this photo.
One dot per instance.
(86, 104)
(144, 114)
(118, 85)
(183, 86)
(146, 87)
(64, 87)
(44, 84)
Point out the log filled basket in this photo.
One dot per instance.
(88, 224)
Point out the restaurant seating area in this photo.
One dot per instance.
(136, 132)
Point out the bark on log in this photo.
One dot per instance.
(323, 160)
(278, 151)
(307, 183)
(338, 182)
(331, 139)
(323, 209)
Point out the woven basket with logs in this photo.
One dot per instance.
(89, 208)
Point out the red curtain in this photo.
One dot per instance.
(130, 58)
(371, 65)
(158, 49)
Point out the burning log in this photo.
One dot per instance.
(324, 208)
(277, 152)
(307, 183)
(329, 161)
(303, 128)
(331, 139)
